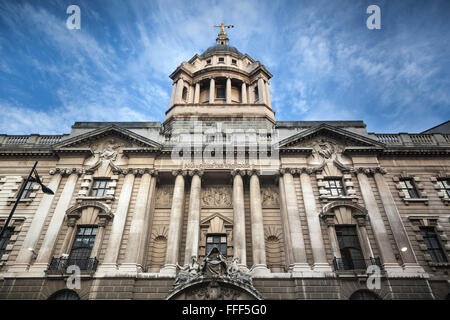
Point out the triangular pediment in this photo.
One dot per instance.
(85, 140)
(218, 215)
(351, 139)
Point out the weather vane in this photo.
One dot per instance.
(222, 28)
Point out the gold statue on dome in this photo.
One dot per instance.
(222, 28)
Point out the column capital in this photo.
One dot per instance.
(179, 172)
(69, 171)
(72, 221)
(252, 172)
(291, 171)
(370, 171)
(240, 172)
(197, 172)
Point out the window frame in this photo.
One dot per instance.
(329, 188)
(4, 243)
(28, 190)
(443, 188)
(94, 188)
(221, 236)
(425, 231)
(406, 189)
(90, 245)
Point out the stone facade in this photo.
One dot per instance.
(272, 210)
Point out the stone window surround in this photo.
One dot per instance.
(86, 185)
(431, 221)
(417, 181)
(437, 187)
(347, 183)
(16, 226)
(12, 198)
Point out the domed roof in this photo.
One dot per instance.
(220, 48)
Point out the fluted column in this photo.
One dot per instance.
(212, 90)
(261, 91)
(243, 93)
(193, 224)
(48, 245)
(395, 221)
(32, 237)
(197, 93)
(175, 224)
(239, 218)
(179, 92)
(118, 225)
(376, 221)
(285, 221)
(300, 263)
(172, 96)
(228, 91)
(258, 241)
(315, 231)
(134, 252)
(268, 100)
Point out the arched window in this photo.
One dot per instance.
(64, 294)
(256, 93)
(364, 295)
(184, 94)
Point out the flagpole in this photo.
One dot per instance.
(17, 201)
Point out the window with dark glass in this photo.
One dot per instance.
(221, 59)
(82, 246)
(352, 257)
(99, 187)
(208, 61)
(334, 187)
(220, 92)
(408, 188)
(444, 185)
(430, 238)
(233, 61)
(218, 241)
(29, 187)
(184, 94)
(4, 241)
(256, 93)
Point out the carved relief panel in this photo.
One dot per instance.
(216, 197)
(164, 196)
(270, 196)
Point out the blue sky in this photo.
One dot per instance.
(326, 64)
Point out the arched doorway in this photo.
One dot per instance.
(65, 294)
(364, 295)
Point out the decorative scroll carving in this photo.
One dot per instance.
(224, 278)
(270, 197)
(216, 197)
(164, 196)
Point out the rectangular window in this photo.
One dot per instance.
(233, 61)
(434, 248)
(334, 187)
(256, 93)
(220, 92)
(444, 185)
(218, 241)
(208, 61)
(221, 59)
(4, 241)
(82, 246)
(28, 190)
(99, 187)
(352, 257)
(408, 188)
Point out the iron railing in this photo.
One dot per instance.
(341, 264)
(60, 265)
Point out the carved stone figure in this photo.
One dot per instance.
(269, 196)
(216, 196)
(164, 196)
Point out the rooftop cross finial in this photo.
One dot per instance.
(222, 28)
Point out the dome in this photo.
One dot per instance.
(221, 48)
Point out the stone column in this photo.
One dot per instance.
(25, 256)
(244, 93)
(239, 244)
(258, 241)
(193, 224)
(285, 221)
(197, 93)
(261, 91)
(364, 236)
(115, 239)
(228, 91)
(212, 90)
(398, 229)
(175, 224)
(99, 237)
(134, 252)
(48, 245)
(329, 220)
(268, 100)
(300, 263)
(315, 231)
(251, 94)
(376, 221)
(179, 92)
(172, 96)
(71, 223)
